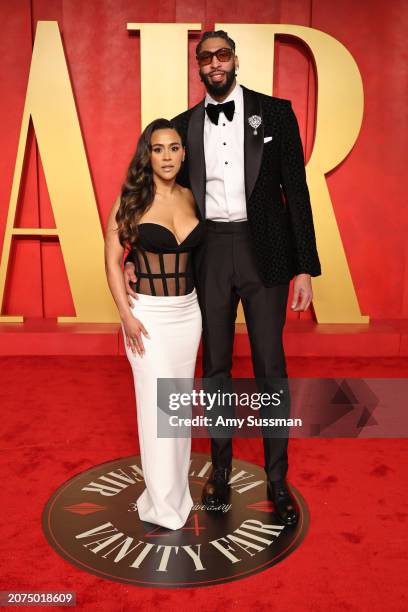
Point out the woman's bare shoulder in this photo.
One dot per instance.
(187, 195)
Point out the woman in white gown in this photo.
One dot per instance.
(156, 220)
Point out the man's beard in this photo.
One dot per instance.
(218, 90)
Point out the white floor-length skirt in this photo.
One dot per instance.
(174, 326)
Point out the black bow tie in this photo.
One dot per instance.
(213, 110)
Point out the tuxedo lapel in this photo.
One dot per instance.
(253, 143)
(196, 159)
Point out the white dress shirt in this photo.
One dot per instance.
(224, 162)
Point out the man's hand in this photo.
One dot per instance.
(302, 292)
(130, 276)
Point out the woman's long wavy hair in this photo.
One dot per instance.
(139, 189)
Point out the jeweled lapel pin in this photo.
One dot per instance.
(255, 121)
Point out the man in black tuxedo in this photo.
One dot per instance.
(245, 165)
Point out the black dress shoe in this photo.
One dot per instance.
(216, 490)
(285, 504)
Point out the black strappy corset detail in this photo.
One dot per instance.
(164, 266)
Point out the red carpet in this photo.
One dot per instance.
(62, 415)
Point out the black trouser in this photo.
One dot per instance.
(225, 273)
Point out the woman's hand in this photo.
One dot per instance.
(133, 332)
(302, 292)
(129, 276)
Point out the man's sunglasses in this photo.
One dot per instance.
(222, 55)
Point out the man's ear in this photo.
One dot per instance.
(236, 62)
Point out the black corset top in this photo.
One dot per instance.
(163, 266)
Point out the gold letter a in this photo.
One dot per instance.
(50, 103)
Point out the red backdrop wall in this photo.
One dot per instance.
(368, 189)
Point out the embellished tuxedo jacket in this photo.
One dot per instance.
(277, 197)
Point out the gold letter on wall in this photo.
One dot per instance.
(339, 116)
(51, 105)
(164, 85)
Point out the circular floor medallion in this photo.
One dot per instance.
(92, 521)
